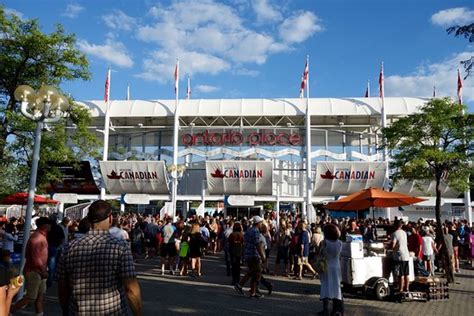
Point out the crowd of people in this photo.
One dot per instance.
(89, 255)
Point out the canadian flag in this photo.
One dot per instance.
(381, 87)
(176, 77)
(304, 79)
(107, 87)
(459, 88)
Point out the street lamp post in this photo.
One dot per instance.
(176, 172)
(44, 106)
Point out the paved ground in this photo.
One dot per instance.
(212, 295)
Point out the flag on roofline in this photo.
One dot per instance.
(304, 79)
(188, 90)
(381, 82)
(434, 91)
(107, 87)
(367, 90)
(459, 88)
(176, 77)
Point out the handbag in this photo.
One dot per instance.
(321, 264)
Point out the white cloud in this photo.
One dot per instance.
(300, 27)
(72, 11)
(454, 16)
(20, 15)
(159, 66)
(213, 34)
(246, 72)
(118, 20)
(265, 12)
(206, 88)
(443, 75)
(112, 51)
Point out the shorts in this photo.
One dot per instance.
(400, 268)
(168, 250)
(427, 257)
(302, 260)
(282, 254)
(255, 268)
(34, 285)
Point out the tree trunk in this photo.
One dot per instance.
(448, 268)
(3, 139)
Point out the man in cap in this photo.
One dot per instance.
(254, 255)
(96, 273)
(36, 264)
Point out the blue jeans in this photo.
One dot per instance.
(52, 258)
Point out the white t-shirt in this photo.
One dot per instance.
(400, 250)
(427, 246)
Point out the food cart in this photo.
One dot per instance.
(367, 267)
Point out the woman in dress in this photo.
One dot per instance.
(331, 278)
(196, 243)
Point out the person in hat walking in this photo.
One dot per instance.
(254, 254)
(96, 275)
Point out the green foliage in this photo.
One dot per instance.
(466, 31)
(29, 56)
(433, 144)
(268, 206)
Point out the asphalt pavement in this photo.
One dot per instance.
(212, 294)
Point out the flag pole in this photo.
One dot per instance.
(467, 193)
(128, 92)
(105, 153)
(308, 149)
(383, 113)
(175, 141)
(384, 125)
(368, 88)
(188, 90)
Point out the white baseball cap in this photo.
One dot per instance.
(256, 219)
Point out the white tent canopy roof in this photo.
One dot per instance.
(257, 107)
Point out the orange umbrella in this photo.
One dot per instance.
(22, 199)
(372, 197)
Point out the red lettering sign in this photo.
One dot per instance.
(236, 138)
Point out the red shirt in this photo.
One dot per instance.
(414, 244)
(37, 253)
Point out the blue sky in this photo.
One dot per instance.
(257, 48)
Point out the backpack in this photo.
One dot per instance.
(283, 239)
(295, 241)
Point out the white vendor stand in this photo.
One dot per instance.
(366, 267)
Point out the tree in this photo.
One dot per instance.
(466, 31)
(433, 144)
(29, 56)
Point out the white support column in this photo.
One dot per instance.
(309, 192)
(61, 210)
(468, 206)
(369, 144)
(105, 153)
(174, 189)
(326, 142)
(277, 209)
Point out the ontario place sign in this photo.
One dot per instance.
(236, 138)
